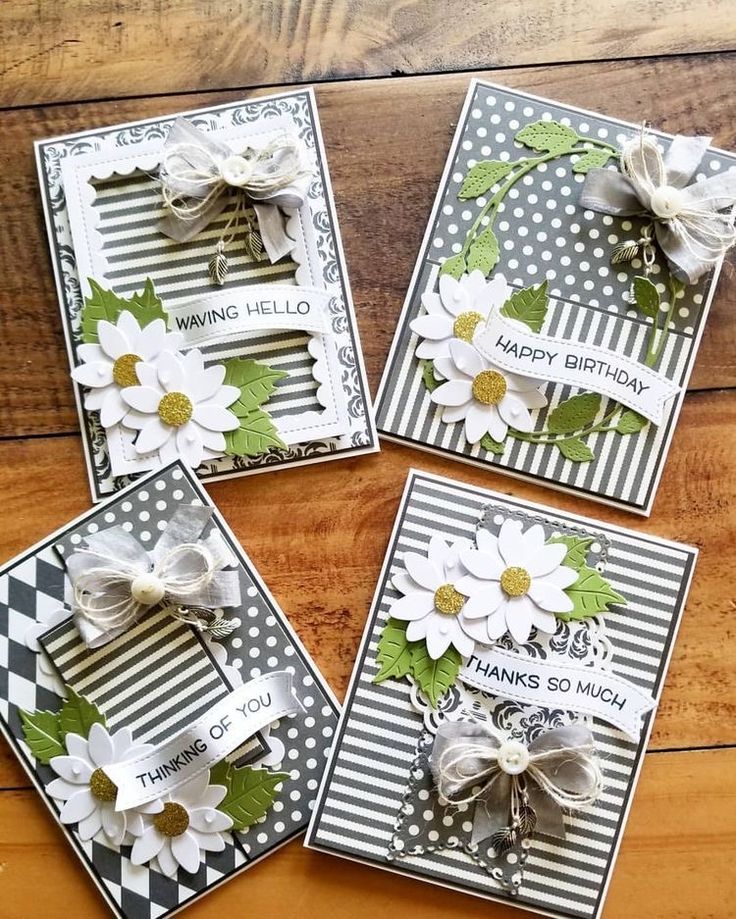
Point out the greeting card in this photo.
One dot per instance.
(559, 298)
(157, 696)
(502, 698)
(204, 294)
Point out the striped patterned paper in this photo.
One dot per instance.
(365, 794)
(543, 233)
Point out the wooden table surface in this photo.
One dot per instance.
(390, 79)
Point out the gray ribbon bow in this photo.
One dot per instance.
(517, 789)
(688, 228)
(199, 176)
(115, 580)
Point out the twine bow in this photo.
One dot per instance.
(201, 176)
(687, 224)
(516, 789)
(115, 580)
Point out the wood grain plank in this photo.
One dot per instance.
(384, 185)
(94, 49)
(323, 573)
(676, 857)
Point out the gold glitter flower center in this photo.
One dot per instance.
(515, 582)
(173, 820)
(102, 787)
(448, 601)
(123, 370)
(465, 325)
(489, 387)
(175, 408)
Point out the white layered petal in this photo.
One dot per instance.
(72, 768)
(454, 295)
(78, 806)
(413, 606)
(113, 408)
(166, 861)
(170, 372)
(95, 375)
(454, 392)
(433, 327)
(185, 850)
(422, 570)
(101, 746)
(466, 358)
(143, 399)
(515, 413)
(189, 444)
(497, 427)
(544, 560)
(438, 636)
(153, 435)
(214, 417)
(511, 543)
(550, 598)
(147, 846)
(209, 820)
(478, 420)
(112, 341)
(485, 602)
(519, 618)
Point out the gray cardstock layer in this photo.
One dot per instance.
(33, 586)
(370, 794)
(300, 106)
(544, 233)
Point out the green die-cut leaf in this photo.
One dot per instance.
(394, 652)
(493, 446)
(255, 381)
(106, 304)
(591, 594)
(646, 296)
(484, 253)
(631, 422)
(428, 377)
(574, 413)
(575, 450)
(454, 266)
(43, 734)
(528, 306)
(577, 549)
(592, 159)
(256, 434)
(434, 677)
(250, 792)
(78, 714)
(548, 137)
(482, 177)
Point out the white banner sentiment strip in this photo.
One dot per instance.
(229, 314)
(556, 682)
(224, 728)
(512, 346)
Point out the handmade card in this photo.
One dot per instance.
(157, 696)
(502, 698)
(559, 298)
(204, 294)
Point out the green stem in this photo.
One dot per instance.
(490, 208)
(544, 437)
(654, 351)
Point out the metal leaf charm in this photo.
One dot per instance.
(254, 244)
(503, 840)
(218, 266)
(625, 252)
(527, 820)
(220, 627)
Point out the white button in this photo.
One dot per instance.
(236, 170)
(513, 757)
(147, 589)
(667, 201)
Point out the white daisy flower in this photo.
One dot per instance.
(489, 400)
(517, 582)
(187, 825)
(113, 363)
(457, 311)
(180, 408)
(87, 792)
(433, 604)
